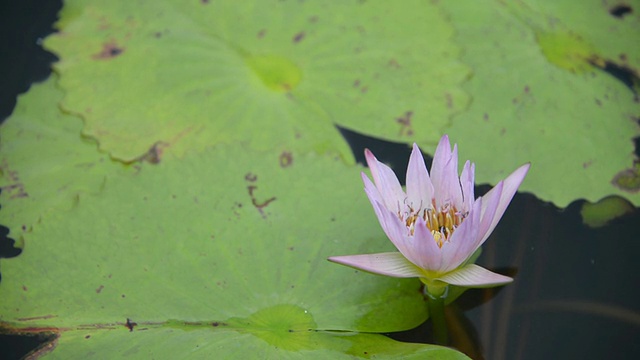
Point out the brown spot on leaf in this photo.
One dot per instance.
(157, 34)
(628, 180)
(449, 99)
(130, 324)
(313, 19)
(109, 51)
(598, 102)
(356, 83)
(405, 123)
(298, 37)
(259, 205)
(286, 159)
(262, 33)
(154, 155)
(364, 89)
(16, 189)
(485, 117)
(393, 63)
(99, 289)
(24, 288)
(43, 317)
(204, 2)
(620, 10)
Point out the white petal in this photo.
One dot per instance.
(489, 206)
(419, 186)
(510, 186)
(444, 175)
(474, 276)
(464, 240)
(389, 264)
(371, 190)
(386, 182)
(397, 232)
(467, 182)
(426, 253)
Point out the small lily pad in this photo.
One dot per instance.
(601, 213)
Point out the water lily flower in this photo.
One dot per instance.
(437, 224)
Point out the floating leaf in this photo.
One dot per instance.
(44, 160)
(221, 252)
(190, 75)
(599, 214)
(540, 96)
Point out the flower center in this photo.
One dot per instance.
(441, 222)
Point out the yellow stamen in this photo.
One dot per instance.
(442, 223)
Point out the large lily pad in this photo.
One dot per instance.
(540, 96)
(189, 75)
(222, 252)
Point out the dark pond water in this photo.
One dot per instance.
(576, 289)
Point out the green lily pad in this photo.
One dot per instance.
(601, 213)
(203, 343)
(44, 160)
(540, 96)
(610, 27)
(191, 75)
(221, 252)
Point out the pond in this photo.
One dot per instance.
(576, 287)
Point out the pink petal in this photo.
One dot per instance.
(474, 276)
(371, 190)
(389, 264)
(444, 175)
(419, 186)
(397, 232)
(424, 252)
(489, 206)
(464, 240)
(467, 182)
(510, 186)
(386, 181)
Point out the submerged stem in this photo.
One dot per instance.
(435, 300)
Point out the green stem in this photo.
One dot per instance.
(435, 300)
